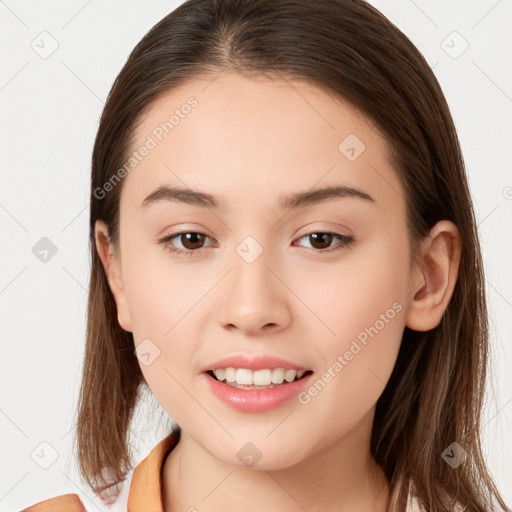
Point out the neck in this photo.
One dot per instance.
(342, 477)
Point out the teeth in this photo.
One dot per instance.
(230, 374)
(264, 377)
(261, 377)
(220, 374)
(244, 376)
(277, 375)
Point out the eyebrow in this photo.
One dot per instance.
(296, 200)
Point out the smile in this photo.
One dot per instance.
(256, 397)
(244, 377)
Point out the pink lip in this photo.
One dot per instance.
(256, 400)
(254, 363)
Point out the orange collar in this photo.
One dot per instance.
(145, 494)
(146, 484)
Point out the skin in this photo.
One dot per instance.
(250, 141)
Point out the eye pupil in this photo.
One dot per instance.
(320, 236)
(194, 242)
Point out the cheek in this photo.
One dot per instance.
(351, 294)
(361, 306)
(160, 292)
(167, 324)
(167, 315)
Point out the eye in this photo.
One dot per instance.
(324, 240)
(193, 240)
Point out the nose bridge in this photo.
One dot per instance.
(254, 297)
(251, 272)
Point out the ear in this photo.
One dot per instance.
(435, 277)
(112, 265)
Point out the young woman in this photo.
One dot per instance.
(284, 252)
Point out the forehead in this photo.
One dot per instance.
(236, 137)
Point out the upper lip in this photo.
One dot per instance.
(254, 363)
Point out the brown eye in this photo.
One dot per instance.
(322, 241)
(192, 240)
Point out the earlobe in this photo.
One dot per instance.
(112, 268)
(435, 278)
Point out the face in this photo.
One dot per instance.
(321, 282)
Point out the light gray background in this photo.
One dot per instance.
(50, 110)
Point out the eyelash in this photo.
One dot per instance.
(346, 241)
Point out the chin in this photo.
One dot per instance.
(260, 456)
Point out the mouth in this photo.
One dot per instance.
(243, 378)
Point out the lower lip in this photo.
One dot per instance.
(256, 400)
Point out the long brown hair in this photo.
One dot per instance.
(348, 48)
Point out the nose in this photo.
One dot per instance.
(254, 298)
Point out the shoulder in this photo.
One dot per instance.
(63, 503)
(141, 484)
